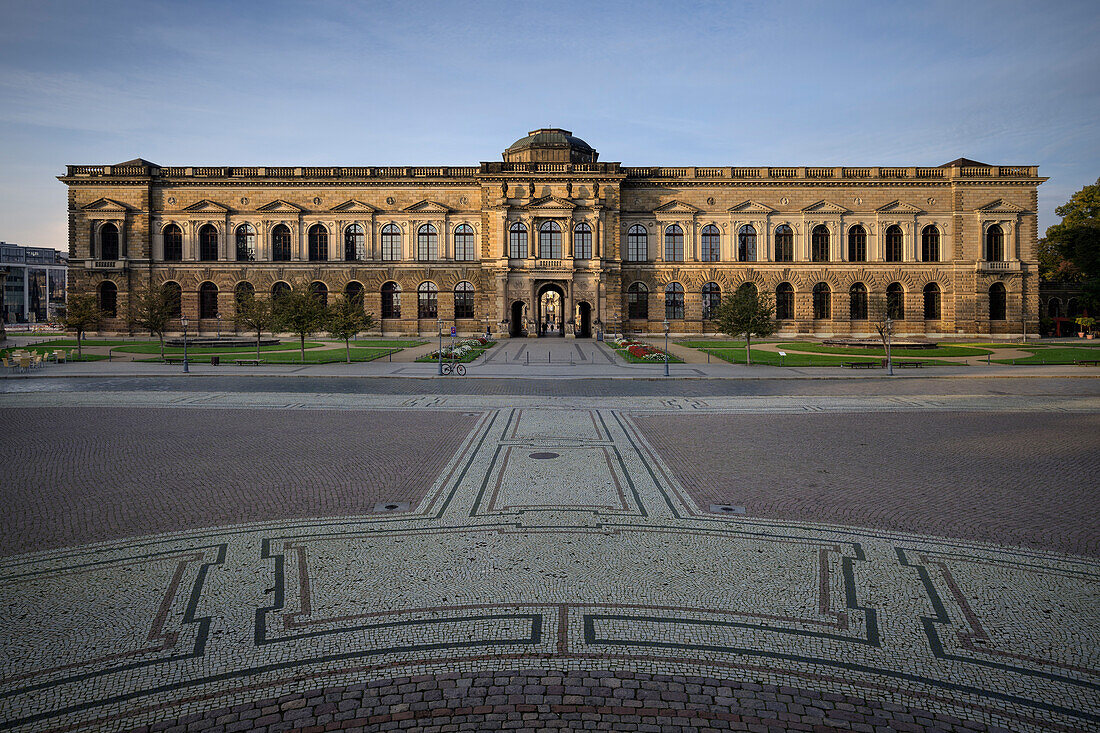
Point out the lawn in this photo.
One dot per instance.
(857, 351)
(325, 356)
(712, 344)
(635, 360)
(66, 343)
(1053, 355)
(154, 348)
(388, 344)
(771, 358)
(464, 359)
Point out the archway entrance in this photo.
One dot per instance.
(516, 325)
(584, 320)
(550, 318)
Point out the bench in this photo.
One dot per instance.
(910, 364)
(248, 362)
(174, 360)
(1087, 362)
(861, 364)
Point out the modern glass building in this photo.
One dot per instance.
(36, 282)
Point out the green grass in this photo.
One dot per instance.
(712, 344)
(326, 356)
(87, 342)
(1053, 355)
(857, 351)
(154, 348)
(388, 344)
(771, 358)
(635, 360)
(42, 349)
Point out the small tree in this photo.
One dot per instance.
(301, 313)
(747, 312)
(346, 318)
(81, 313)
(151, 310)
(882, 316)
(255, 314)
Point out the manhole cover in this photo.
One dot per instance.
(727, 509)
(544, 456)
(392, 506)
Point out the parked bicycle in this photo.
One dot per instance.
(450, 367)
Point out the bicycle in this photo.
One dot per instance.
(454, 366)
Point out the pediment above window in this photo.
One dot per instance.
(751, 207)
(676, 207)
(427, 207)
(824, 207)
(206, 205)
(353, 206)
(898, 207)
(1000, 206)
(551, 203)
(280, 206)
(106, 205)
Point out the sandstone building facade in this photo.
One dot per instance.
(550, 232)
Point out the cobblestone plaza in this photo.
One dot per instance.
(468, 559)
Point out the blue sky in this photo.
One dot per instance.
(454, 83)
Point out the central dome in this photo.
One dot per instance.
(550, 145)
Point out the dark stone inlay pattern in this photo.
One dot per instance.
(544, 455)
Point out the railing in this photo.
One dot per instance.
(552, 265)
(894, 172)
(819, 172)
(972, 172)
(745, 172)
(105, 264)
(856, 172)
(708, 173)
(782, 173)
(930, 173)
(1015, 171)
(1009, 266)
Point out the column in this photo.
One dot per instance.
(597, 229)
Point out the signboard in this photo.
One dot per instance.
(454, 331)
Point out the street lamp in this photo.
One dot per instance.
(666, 347)
(439, 328)
(183, 322)
(889, 333)
(219, 325)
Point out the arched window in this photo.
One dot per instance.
(427, 243)
(894, 241)
(857, 302)
(857, 244)
(637, 301)
(243, 291)
(784, 302)
(998, 302)
(746, 244)
(246, 243)
(784, 244)
(582, 242)
(464, 242)
(674, 243)
(819, 244)
(1054, 308)
(895, 301)
(278, 290)
(173, 243)
(427, 300)
(391, 242)
(108, 242)
(108, 299)
(208, 300)
(464, 300)
(353, 291)
(549, 241)
(930, 244)
(931, 302)
(712, 244)
(822, 302)
(173, 295)
(674, 301)
(319, 291)
(1072, 309)
(712, 298)
(995, 244)
(318, 243)
(747, 288)
(354, 243)
(208, 243)
(391, 300)
(280, 243)
(637, 244)
(517, 241)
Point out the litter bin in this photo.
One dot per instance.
(215, 360)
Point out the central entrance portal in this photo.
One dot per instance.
(550, 318)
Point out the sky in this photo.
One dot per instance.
(454, 83)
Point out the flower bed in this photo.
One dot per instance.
(465, 350)
(636, 351)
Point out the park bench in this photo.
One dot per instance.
(173, 360)
(910, 364)
(248, 362)
(861, 364)
(1087, 362)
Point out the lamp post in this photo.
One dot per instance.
(666, 348)
(889, 333)
(183, 322)
(219, 325)
(439, 328)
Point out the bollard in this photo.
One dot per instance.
(547, 357)
(528, 355)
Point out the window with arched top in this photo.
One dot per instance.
(823, 306)
(995, 244)
(278, 290)
(464, 242)
(427, 300)
(582, 242)
(391, 242)
(930, 244)
(857, 302)
(712, 243)
(549, 241)
(857, 244)
(637, 244)
(895, 301)
(712, 298)
(355, 293)
(998, 302)
(319, 291)
(674, 243)
(391, 300)
(173, 243)
(427, 243)
(517, 241)
(784, 244)
(208, 243)
(318, 243)
(208, 300)
(894, 243)
(280, 243)
(1072, 308)
(746, 244)
(637, 301)
(784, 302)
(931, 302)
(108, 242)
(243, 291)
(355, 243)
(108, 298)
(819, 244)
(748, 289)
(464, 300)
(674, 301)
(246, 243)
(1054, 308)
(173, 297)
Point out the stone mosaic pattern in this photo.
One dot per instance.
(569, 565)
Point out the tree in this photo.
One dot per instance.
(81, 313)
(346, 318)
(255, 314)
(747, 312)
(301, 313)
(1077, 239)
(882, 315)
(151, 308)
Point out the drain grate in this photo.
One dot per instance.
(726, 509)
(544, 455)
(392, 506)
